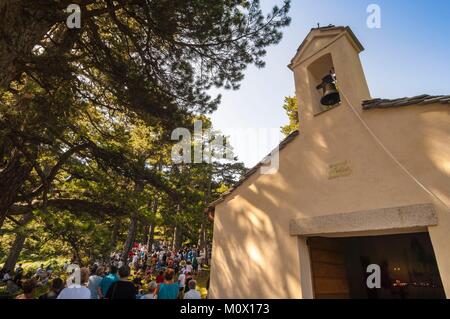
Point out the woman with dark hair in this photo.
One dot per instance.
(122, 289)
(55, 289)
(168, 289)
(160, 277)
(28, 287)
(107, 281)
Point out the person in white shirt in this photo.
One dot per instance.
(182, 281)
(40, 272)
(151, 291)
(135, 261)
(6, 276)
(192, 293)
(188, 267)
(77, 291)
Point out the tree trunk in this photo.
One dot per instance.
(205, 220)
(150, 232)
(177, 237)
(177, 231)
(2, 220)
(205, 243)
(12, 177)
(201, 242)
(115, 234)
(132, 230)
(18, 244)
(172, 238)
(151, 236)
(130, 237)
(24, 24)
(144, 230)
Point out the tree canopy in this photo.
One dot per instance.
(291, 107)
(86, 116)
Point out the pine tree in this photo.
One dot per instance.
(291, 108)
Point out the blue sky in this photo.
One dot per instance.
(409, 55)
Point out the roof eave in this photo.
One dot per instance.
(358, 44)
(253, 170)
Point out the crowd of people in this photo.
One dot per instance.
(155, 272)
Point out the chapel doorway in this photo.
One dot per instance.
(407, 262)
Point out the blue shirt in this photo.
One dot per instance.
(106, 282)
(168, 291)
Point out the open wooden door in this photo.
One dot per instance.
(328, 269)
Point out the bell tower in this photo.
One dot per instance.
(328, 71)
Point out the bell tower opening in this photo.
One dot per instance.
(325, 93)
(328, 71)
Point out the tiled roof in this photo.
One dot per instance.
(420, 100)
(251, 171)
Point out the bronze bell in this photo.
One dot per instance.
(330, 92)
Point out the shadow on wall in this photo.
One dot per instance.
(435, 135)
(254, 255)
